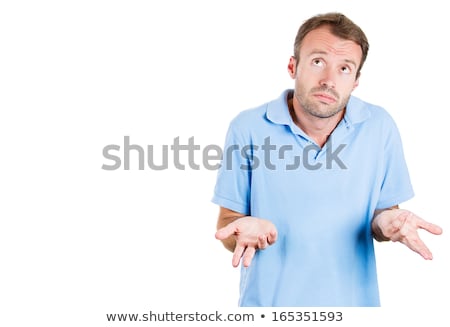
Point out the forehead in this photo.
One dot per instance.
(322, 40)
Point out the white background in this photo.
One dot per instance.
(77, 242)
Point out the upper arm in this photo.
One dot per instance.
(396, 184)
(233, 183)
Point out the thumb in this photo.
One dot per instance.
(226, 231)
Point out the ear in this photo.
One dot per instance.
(292, 67)
(355, 84)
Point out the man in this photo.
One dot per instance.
(309, 179)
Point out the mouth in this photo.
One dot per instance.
(325, 98)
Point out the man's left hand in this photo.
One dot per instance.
(400, 225)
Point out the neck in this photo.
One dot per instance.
(319, 129)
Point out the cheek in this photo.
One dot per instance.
(306, 78)
(347, 84)
(301, 84)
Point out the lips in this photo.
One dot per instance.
(325, 97)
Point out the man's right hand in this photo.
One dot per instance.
(251, 234)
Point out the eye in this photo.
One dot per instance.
(317, 62)
(346, 70)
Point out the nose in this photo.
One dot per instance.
(327, 79)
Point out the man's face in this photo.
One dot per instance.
(326, 72)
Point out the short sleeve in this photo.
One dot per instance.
(233, 184)
(396, 185)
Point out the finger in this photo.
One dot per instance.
(429, 227)
(226, 231)
(273, 235)
(399, 221)
(408, 235)
(417, 245)
(262, 242)
(237, 255)
(248, 256)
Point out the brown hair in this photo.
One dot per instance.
(340, 26)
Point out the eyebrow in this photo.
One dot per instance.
(321, 52)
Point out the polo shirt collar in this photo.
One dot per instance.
(356, 112)
(278, 111)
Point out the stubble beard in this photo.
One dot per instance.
(319, 109)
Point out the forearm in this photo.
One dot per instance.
(227, 216)
(229, 243)
(376, 230)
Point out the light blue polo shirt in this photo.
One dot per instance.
(321, 201)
